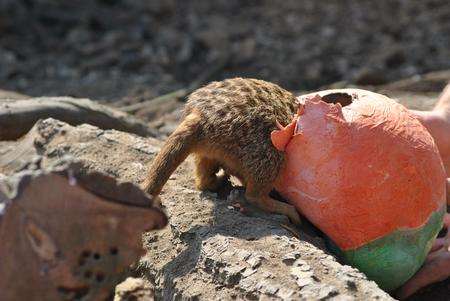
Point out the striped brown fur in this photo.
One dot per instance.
(227, 125)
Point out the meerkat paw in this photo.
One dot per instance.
(294, 217)
(268, 204)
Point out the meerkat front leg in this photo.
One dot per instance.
(259, 195)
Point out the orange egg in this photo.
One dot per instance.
(363, 171)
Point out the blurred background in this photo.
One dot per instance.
(131, 49)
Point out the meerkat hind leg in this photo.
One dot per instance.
(206, 177)
(259, 195)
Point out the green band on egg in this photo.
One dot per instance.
(391, 260)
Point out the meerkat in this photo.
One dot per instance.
(227, 125)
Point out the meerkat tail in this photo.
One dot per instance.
(177, 147)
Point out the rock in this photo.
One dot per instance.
(426, 83)
(208, 251)
(19, 115)
(10, 95)
(69, 233)
(134, 289)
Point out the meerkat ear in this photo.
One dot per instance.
(280, 138)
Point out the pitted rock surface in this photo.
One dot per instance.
(63, 240)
